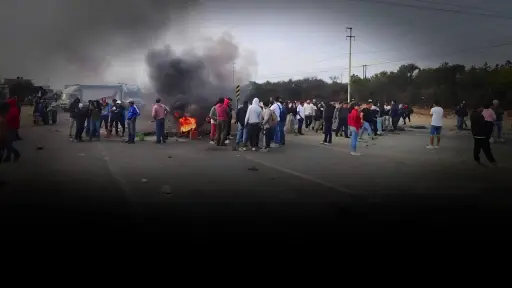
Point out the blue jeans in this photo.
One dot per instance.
(277, 133)
(379, 125)
(460, 122)
(160, 130)
(281, 132)
(241, 134)
(366, 127)
(94, 128)
(498, 128)
(353, 138)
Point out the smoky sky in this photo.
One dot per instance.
(52, 38)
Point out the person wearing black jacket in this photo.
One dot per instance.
(342, 116)
(73, 108)
(116, 117)
(461, 112)
(317, 119)
(81, 114)
(328, 119)
(481, 135)
(368, 117)
(241, 135)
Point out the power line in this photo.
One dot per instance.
(430, 8)
(383, 62)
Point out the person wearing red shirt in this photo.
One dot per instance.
(354, 124)
(13, 124)
(222, 110)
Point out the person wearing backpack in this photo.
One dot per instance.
(276, 108)
(269, 123)
(282, 121)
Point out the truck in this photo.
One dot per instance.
(90, 92)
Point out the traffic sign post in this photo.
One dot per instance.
(237, 93)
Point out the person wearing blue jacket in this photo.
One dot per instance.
(395, 115)
(133, 113)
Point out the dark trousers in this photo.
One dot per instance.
(253, 129)
(301, 123)
(374, 127)
(281, 132)
(116, 124)
(79, 130)
(342, 124)
(309, 121)
(269, 136)
(104, 121)
(87, 126)
(222, 130)
(484, 145)
(327, 132)
(9, 148)
(132, 129)
(228, 129)
(394, 122)
(160, 130)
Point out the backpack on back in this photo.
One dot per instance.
(273, 118)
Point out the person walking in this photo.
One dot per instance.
(386, 117)
(270, 120)
(133, 113)
(213, 121)
(481, 134)
(342, 117)
(328, 120)
(354, 124)
(73, 114)
(13, 124)
(367, 115)
(158, 113)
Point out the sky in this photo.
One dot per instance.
(89, 41)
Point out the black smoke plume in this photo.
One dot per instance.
(193, 80)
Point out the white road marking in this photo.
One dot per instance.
(300, 175)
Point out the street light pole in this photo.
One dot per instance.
(350, 38)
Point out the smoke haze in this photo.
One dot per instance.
(199, 76)
(76, 41)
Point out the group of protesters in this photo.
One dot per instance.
(90, 119)
(10, 116)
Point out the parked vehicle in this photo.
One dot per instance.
(89, 92)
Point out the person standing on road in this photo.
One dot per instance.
(328, 119)
(13, 124)
(368, 116)
(222, 111)
(276, 107)
(95, 120)
(386, 117)
(375, 122)
(73, 114)
(4, 129)
(213, 121)
(301, 115)
(253, 120)
(309, 112)
(354, 124)
(270, 120)
(241, 135)
(481, 132)
(342, 117)
(436, 125)
(461, 112)
(498, 124)
(158, 114)
(105, 113)
(81, 116)
(133, 113)
(395, 115)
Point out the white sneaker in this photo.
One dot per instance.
(264, 150)
(253, 149)
(226, 142)
(273, 145)
(211, 142)
(242, 149)
(323, 143)
(430, 147)
(355, 154)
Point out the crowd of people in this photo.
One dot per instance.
(112, 116)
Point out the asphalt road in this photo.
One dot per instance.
(302, 189)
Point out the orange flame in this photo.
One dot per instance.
(187, 124)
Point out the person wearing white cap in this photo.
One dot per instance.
(498, 124)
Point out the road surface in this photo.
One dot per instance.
(302, 189)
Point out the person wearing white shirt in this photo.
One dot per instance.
(300, 117)
(276, 107)
(436, 125)
(309, 111)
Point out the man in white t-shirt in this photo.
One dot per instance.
(436, 125)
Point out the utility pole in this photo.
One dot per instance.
(350, 38)
(365, 68)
